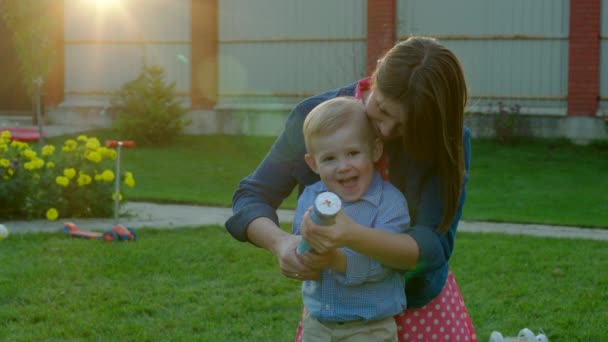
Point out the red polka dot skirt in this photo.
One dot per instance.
(445, 318)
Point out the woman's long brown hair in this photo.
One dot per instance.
(427, 80)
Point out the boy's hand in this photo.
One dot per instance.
(334, 259)
(323, 239)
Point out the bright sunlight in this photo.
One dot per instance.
(105, 3)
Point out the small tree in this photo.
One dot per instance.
(32, 27)
(146, 109)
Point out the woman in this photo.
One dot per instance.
(416, 99)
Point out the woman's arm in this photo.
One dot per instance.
(261, 193)
(257, 197)
(264, 233)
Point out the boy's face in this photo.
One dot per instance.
(344, 161)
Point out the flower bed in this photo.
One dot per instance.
(75, 180)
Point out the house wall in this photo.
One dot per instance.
(106, 46)
(511, 51)
(273, 54)
(270, 54)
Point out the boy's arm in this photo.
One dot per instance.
(355, 268)
(338, 261)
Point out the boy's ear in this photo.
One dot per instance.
(310, 161)
(377, 149)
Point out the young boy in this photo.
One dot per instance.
(356, 296)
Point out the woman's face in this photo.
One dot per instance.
(385, 114)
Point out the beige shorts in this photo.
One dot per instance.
(314, 330)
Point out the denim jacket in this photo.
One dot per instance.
(283, 168)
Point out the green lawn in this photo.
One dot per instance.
(549, 182)
(200, 284)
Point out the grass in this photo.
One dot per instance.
(549, 182)
(200, 284)
(542, 181)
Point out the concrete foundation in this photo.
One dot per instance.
(578, 129)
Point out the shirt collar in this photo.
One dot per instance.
(364, 84)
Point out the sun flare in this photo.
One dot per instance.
(105, 3)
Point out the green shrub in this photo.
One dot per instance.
(505, 124)
(76, 180)
(146, 109)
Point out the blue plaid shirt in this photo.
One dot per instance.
(367, 290)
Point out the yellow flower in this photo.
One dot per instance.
(19, 145)
(63, 181)
(92, 144)
(5, 135)
(48, 150)
(52, 214)
(69, 145)
(84, 179)
(34, 164)
(50, 165)
(93, 156)
(107, 152)
(69, 173)
(10, 171)
(82, 138)
(5, 162)
(107, 176)
(30, 154)
(129, 180)
(119, 196)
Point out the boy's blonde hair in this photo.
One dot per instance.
(334, 114)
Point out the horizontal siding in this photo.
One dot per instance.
(294, 19)
(106, 46)
(280, 51)
(511, 51)
(548, 18)
(99, 69)
(128, 20)
(288, 68)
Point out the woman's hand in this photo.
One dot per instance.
(291, 265)
(325, 238)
